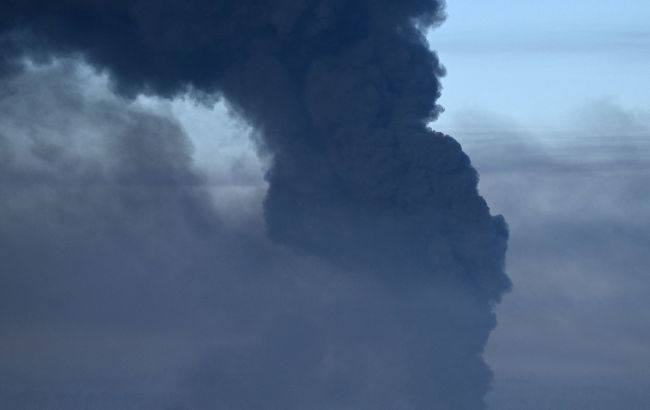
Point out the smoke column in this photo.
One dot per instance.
(341, 93)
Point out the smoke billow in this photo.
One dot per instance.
(377, 289)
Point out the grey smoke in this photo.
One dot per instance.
(377, 289)
(572, 335)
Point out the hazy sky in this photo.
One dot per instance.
(551, 101)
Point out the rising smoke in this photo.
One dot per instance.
(377, 288)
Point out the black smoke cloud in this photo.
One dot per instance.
(378, 286)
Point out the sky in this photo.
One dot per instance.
(538, 61)
(549, 98)
(173, 237)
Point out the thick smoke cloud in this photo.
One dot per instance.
(378, 288)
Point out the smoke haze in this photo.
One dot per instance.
(366, 280)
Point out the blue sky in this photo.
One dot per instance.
(536, 60)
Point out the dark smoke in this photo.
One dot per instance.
(400, 263)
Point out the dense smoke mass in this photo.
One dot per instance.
(373, 284)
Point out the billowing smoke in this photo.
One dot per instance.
(377, 289)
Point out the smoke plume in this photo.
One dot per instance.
(377, 288)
